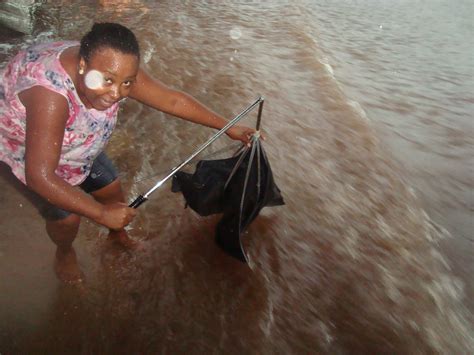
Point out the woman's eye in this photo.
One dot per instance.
(127, 83)
(108, 81)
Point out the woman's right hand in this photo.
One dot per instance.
(116, 216)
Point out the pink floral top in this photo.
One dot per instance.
(87, 130)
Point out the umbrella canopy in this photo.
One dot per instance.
(238, 187)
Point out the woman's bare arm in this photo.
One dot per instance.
(155, 94)
(46, 116)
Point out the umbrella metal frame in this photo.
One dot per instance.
(143, 198)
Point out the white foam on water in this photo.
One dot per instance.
(358, 109)
(148, 52)
(329, 68)
(5, 47)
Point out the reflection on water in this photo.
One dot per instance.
(351, 264)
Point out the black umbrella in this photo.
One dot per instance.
(239, 187)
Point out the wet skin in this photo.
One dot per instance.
(119, 71)
(47, 114)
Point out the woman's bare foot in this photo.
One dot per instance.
(121, 237)
(66, 266)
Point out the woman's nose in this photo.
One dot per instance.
(114, 92)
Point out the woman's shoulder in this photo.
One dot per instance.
(39, 65)
(45, 55)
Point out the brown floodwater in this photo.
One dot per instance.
(368, 114)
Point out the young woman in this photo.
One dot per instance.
(58, 108)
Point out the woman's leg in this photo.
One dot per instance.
(63, 232)
(110, 194)
(61, 227)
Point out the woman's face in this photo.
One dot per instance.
(107, 77)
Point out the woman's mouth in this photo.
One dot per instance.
(106, 103)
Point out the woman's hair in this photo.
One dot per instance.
(109, 35)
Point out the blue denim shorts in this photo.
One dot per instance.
(102, 174)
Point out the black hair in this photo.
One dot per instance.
(109, 35)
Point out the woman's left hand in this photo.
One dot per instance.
(241, 133)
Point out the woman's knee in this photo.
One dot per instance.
(67, 226)
(110, 193)
(73, 220)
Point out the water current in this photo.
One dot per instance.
(368, 114)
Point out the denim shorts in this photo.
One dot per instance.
(102, 174)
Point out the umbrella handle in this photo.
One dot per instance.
(138, 201)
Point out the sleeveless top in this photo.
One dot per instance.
(87, 130)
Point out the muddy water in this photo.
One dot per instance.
(352, 264)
